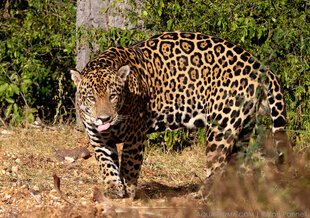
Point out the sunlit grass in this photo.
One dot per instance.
(27, 161)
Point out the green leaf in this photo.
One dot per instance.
(30, 118)
(259, 33)
(177, 7)
(169, 24)
(144, 14)
(33, 110)
(8, 111)
(15, 89)
(10, 100)
(3, 88)
(15, 106)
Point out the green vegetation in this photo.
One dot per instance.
(37, 48)
(36, 52)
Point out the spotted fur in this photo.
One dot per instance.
(173, 80)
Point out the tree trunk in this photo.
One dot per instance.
(92, 14)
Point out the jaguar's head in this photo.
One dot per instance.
(100, 96)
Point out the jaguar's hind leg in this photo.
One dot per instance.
(219, 148)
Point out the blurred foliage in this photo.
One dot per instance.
(168, 141)
(99, 39)
(38, 48)
(36, 52)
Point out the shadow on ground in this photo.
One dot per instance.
(156, 190)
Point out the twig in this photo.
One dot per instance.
(304, 148)
(35, 198)
(57, 188)
(2, 121)
(100, 198)
(298, 131)
(39, 125)
(56, 15)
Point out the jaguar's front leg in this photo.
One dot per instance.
(132, 157)
(107, 157)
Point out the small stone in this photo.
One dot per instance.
(14, 169)
(6, 132)
(17, 160)
(70, 159)
(36, 190)
(6, 197)
(19, 183)
(39, 197)
(99, 207)
(83, 201)
(2, 171)
(53, 194)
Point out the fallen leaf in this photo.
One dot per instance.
(57, 184)
(98, 196)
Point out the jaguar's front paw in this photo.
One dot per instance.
(115, 189)
(131, 191)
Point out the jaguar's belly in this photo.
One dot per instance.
(179, 119)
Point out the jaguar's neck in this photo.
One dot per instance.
(116, 57)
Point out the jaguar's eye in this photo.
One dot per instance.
(91, 98)
(112, 97)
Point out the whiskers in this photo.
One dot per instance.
(119, 118)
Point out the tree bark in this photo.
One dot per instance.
(91, 14)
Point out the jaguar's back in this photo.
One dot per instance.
(193, 74)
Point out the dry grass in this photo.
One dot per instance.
(28, 163)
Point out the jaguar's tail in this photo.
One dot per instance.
(276, 104)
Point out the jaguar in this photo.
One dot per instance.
(171, 81)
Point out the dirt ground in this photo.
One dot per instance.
(38, 180)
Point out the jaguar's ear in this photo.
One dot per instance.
(123, 72)
(76, 77)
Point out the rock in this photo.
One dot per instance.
(15, 169)
(80, 152)
(6, 132)
(70, 159)
(2, 171)
(17, 160)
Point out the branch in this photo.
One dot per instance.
(56, 15)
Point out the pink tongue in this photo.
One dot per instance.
(103, 127)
